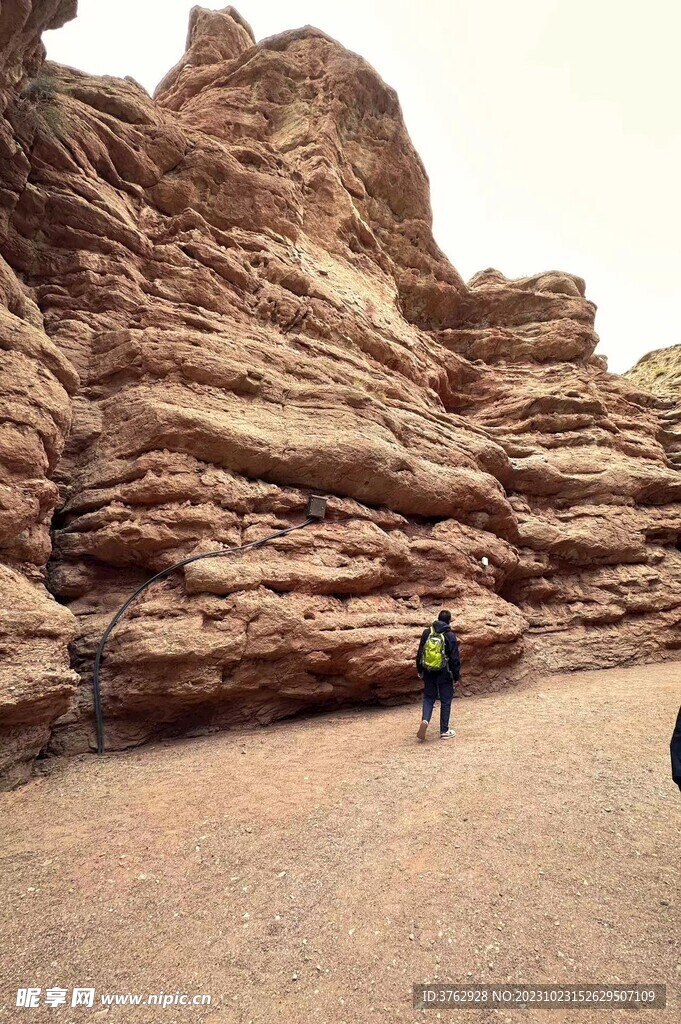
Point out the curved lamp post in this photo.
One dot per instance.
(316, 510)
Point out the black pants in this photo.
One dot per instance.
(437, 688)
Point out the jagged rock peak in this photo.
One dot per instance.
(212, 37)
(660, 372)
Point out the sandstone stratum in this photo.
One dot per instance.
(660, 373)
(223, 299)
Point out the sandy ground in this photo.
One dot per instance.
(314, 870)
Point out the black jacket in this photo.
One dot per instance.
(675, 748)
(453, 662)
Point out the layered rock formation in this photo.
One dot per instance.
(233, 292)
(36, 383)
(595, 497)
(659, 373)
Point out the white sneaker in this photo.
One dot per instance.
(446, 735)
(421, 734)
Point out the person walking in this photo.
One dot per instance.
(438, 665)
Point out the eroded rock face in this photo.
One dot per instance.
(592, 486)
(233, 293)
(36, 383)
(659, 372)
(659, 375)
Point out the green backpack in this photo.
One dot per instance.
(433, 657)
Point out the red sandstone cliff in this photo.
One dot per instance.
(37, 383)
(659, 373)
(229, 296)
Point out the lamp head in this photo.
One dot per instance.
(316, 507)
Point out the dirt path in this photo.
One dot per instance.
(314, 870)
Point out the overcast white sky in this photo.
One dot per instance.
(550, 129)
